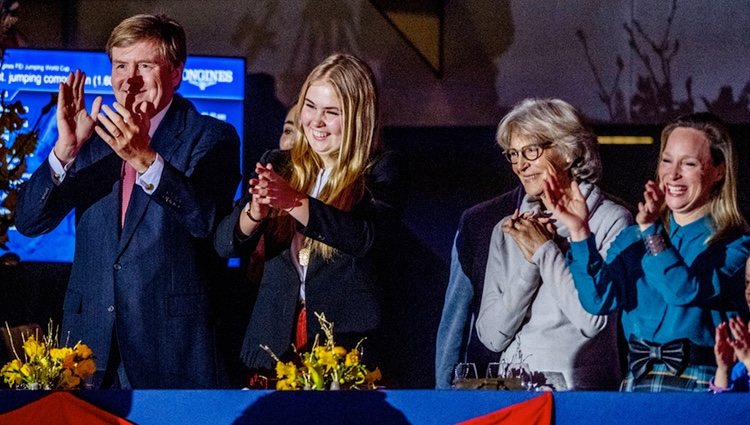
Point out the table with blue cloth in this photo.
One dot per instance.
(397, 406)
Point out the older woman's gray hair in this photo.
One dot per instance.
(555, 121)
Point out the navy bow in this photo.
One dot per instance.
(643, 354)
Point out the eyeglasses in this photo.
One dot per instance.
(529, 152)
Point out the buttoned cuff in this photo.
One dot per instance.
(57, 169)
(150, 178)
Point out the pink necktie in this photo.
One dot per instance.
(128, 180)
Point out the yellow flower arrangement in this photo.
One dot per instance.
(325, 366)
(48, 366)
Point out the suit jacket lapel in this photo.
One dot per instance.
(167, 137)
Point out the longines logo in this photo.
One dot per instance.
(203, 78)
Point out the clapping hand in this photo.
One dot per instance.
(723, 347)
(741, 342)
(568, 205)
(258, 190)
(126, 133)
(724, 354)
(271, 190)
(75, 125)
(650, 208)
(529, 231)
(727, 349)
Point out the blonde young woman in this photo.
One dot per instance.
(319, 207)
(679, 272)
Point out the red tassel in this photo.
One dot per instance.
(300, 339)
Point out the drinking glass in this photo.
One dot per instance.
(465, 371)
(495, 370)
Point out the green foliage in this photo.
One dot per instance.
(16, 141)
(15, 145)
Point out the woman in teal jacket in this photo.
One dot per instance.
(679, 271)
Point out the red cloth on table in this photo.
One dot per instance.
(537, 411)
(60, 408)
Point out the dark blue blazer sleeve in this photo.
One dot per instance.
(354, 232)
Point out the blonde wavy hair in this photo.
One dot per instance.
(724, 210)
(353, 81)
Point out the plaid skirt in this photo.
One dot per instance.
(660, 378)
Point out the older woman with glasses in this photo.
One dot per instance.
(530, 311)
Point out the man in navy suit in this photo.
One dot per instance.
(148, 189)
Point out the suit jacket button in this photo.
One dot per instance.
(111, 308)
(117, 267)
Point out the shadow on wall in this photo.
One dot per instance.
(324, 28)
(656, 98)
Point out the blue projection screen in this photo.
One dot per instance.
(216, 85)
